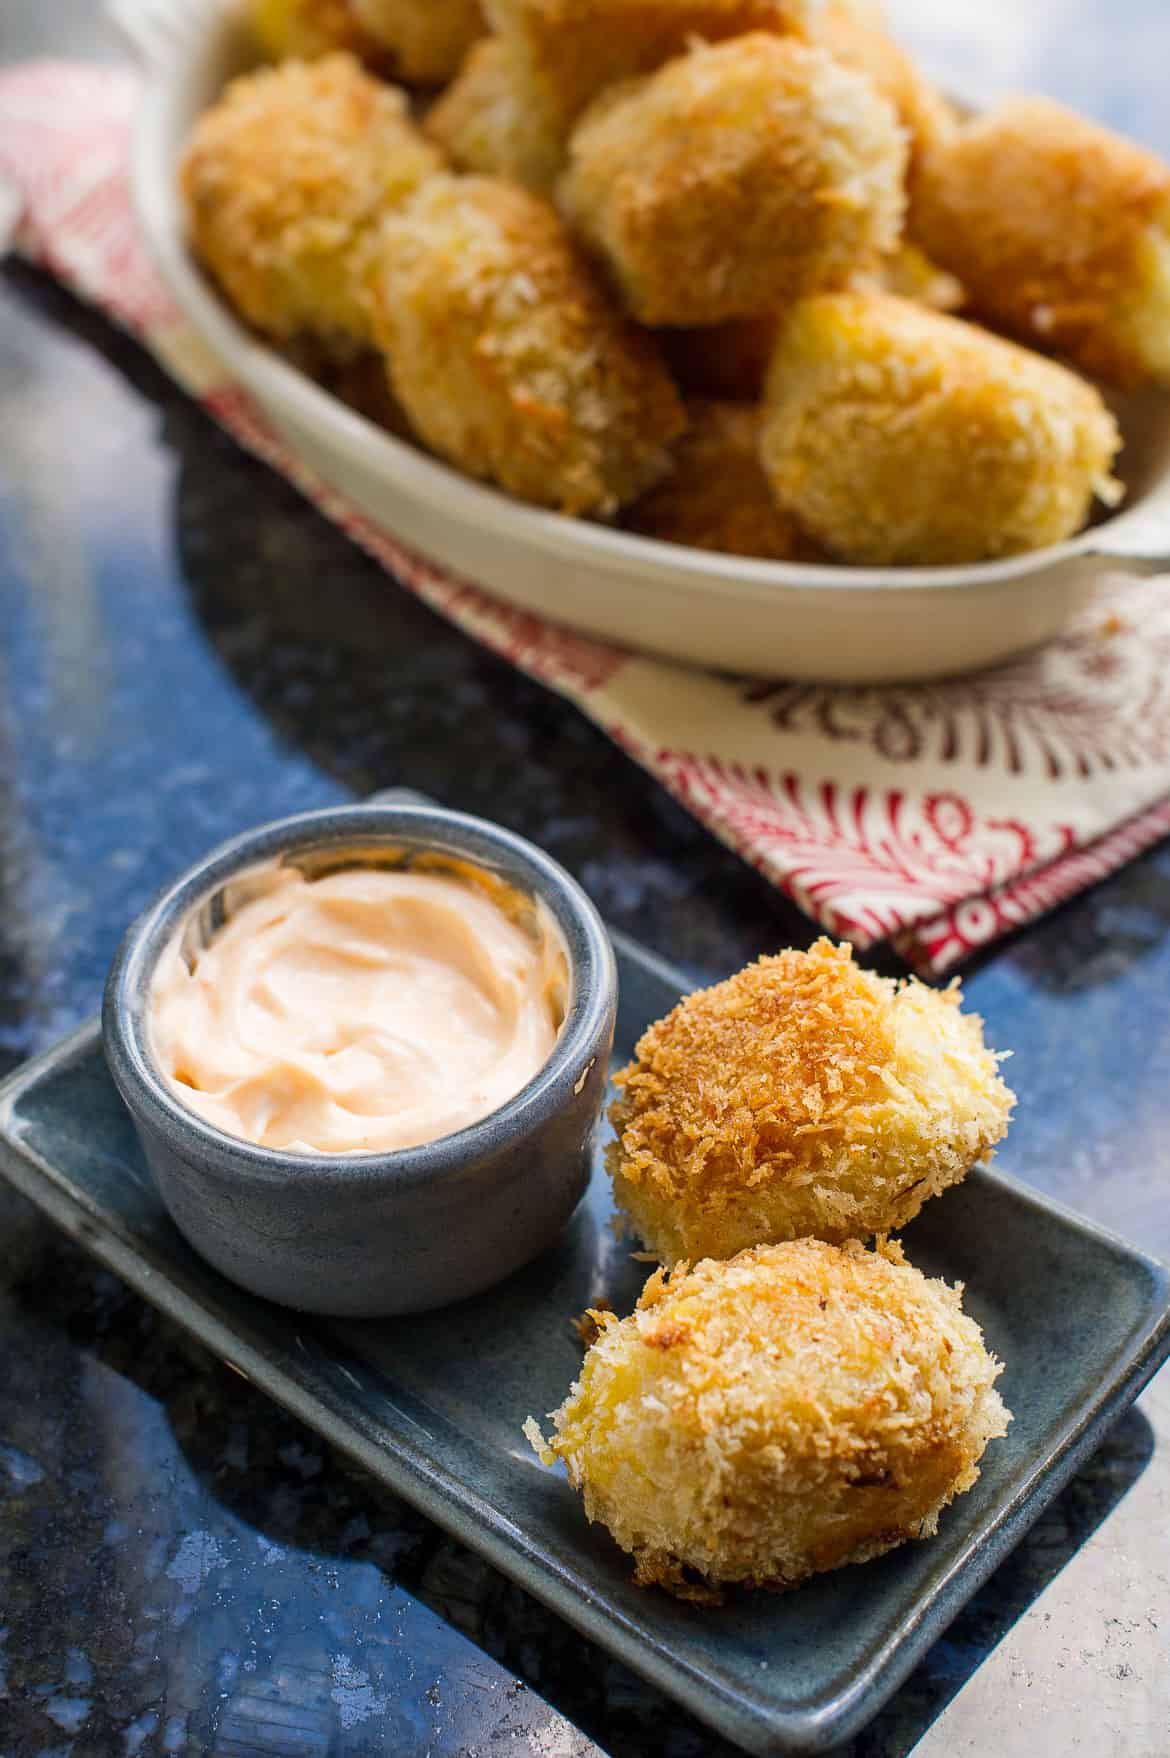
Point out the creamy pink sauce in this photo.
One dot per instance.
(371, 1009)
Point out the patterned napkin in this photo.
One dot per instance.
(938, 816)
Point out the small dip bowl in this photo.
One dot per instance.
(369, 1234)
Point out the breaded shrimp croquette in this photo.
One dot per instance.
(796, 1409)
(1060, 231)
(508, 355)
(569, 50)
(483, 123)
(731, 360)
(799, 180)
(896, 435)
(716, 496)
(423, 40)
(286, 181)
(802, 1096)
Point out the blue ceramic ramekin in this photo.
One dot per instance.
(359, 1235)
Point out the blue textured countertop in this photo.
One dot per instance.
(188, 649)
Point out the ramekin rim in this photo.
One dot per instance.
(592, 996)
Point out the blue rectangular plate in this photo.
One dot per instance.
(433, 1406)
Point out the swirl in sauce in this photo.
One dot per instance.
(370, 1009)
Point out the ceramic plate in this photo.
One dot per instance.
(433, 1406)
(784, 619)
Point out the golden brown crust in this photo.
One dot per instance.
(802, 1096)
(896, 435)
(508, 355)
(423, 41)
(855, 34)
(286, 181)
(716, 496)
(1060, 231)
(731, 360)
(792, 1410)
(567, 51)
(483, 123)
(798, 183)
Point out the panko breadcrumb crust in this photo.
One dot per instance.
(509, 356)
(566, 51)
(1060, 231)
(757, 1421)
(716, 496)
(286, 181)
(854, 33)
(897, 435)
(483, 124)
(798, 185)
(803, 1096)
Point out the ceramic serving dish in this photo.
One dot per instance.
(799, 621)
(372, 1233)
(432, 1406)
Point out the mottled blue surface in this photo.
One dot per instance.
(185, 649)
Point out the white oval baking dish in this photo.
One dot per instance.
(771, 618)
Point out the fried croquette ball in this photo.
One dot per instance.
(424, 41)
(735, 179)
(731, 360)
(1060, 231)
(800, 1407)
(286, 181)
(894, 434)
(307, 29)
(509, 356)
(567, 51)
(802, 1096)
(716, 495)
(483, 124)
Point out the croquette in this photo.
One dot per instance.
(286, 181)
(1060, 231)
(567, 51)
(757, 1421)
(424, 40)
(898, 435)
(508, 355)
(716, 496)
(804, 1095)
(307, 29)
(797, 182)
(483, 124)
(731, 360)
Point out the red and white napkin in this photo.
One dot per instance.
(937, 816)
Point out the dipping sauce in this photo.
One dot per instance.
(369, 1009)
